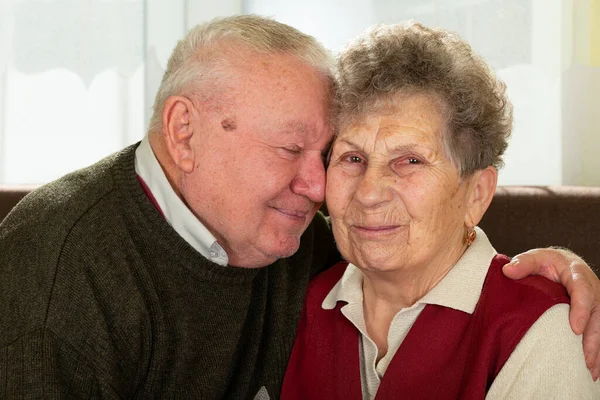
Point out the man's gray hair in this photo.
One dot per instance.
(401, 60)
(196, 57)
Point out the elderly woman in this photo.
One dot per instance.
(422, 309)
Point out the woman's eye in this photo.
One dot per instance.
(408, 161)
(404, 164)
(354, 159)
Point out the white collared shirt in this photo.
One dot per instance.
(460, 289)
(174, 209)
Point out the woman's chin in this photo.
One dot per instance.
(377, 259)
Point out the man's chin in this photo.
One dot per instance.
(284, 249)
(264, 254)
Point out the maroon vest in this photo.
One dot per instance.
(447, 354)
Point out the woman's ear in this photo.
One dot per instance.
(482, 188)
(178, 130)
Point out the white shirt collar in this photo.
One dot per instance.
(459, 289)
(173, 208)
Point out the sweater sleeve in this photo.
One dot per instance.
(41, 365)
(548, 363)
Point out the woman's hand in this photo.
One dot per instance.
(582, 284)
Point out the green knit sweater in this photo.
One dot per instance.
(101, 298)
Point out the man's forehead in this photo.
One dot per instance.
(311, 132)
(299, 127)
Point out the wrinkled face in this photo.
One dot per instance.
(259, 176)
(394, 197)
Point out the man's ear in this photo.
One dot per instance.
(482, 188)
(178, 130)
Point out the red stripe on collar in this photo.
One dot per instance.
(150, 195)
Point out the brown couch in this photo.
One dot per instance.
(520, 218)
(524, 217)
(10, 196)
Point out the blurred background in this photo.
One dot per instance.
(78, 77)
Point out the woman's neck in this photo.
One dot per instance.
(385, 293)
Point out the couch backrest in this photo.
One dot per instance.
(10, 196)
(525, 217)
(520, 218)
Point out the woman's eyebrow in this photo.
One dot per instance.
(396, 149)
(348, 142)
(401, 148)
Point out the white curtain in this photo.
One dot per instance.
(71, 84)
(78, 77)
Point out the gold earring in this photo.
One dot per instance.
(470, 236)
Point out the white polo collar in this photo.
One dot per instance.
(173, 208)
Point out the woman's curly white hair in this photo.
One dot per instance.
(399, 60)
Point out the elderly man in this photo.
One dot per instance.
(177, 267)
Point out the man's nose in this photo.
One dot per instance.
(310, 178)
